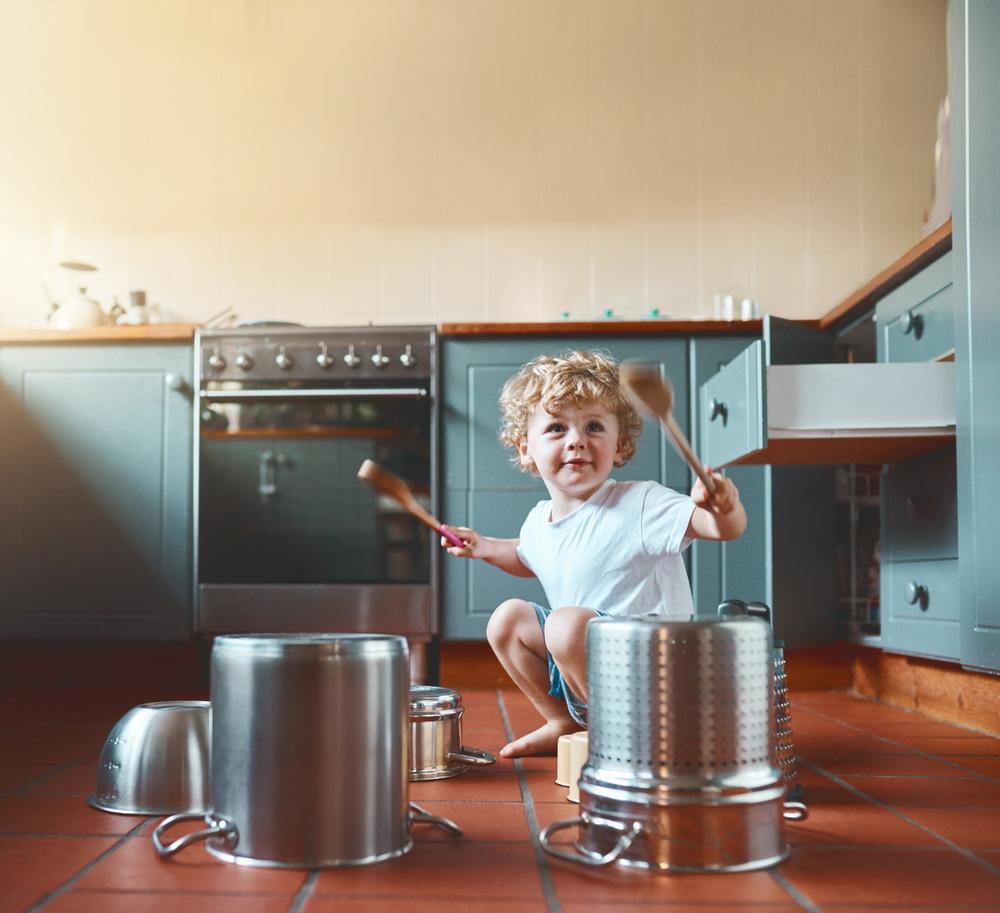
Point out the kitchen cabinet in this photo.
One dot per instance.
(974, 73)
(484, 490)
(919, 536)
(96, 457)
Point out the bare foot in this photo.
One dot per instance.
(543, 741)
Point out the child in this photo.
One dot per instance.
(598, 547)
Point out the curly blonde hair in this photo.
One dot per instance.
(556, 381)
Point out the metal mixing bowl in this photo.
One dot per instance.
(156, 761)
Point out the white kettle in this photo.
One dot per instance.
(76, 310)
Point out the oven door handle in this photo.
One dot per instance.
(232, 396)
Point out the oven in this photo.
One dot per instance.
(287, 539)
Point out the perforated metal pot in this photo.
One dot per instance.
(436, 749)
(682, 773)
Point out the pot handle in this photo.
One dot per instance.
(795, 811)
(474, 756)
(225, 828)
(624, 842)
(420, 815)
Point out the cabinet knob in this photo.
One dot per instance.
(913, 323)
(717, 408)
(175, 382)
(916, 593)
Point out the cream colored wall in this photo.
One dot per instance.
(338, 161)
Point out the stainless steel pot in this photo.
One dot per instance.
(436, 749)
(682, 773)
(308, 752)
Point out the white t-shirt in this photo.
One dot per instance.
(619, 551)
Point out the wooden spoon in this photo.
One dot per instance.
(392, 485)
(654, 395)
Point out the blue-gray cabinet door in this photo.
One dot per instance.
(97, 457)
(484, 490)
(739, 569)
(974, 74)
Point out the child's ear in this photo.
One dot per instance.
(619, 457)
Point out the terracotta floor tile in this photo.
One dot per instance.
(969, 745)
(18, 900)
(118, 902)
(873, 876)
(44, 863)
(482, 785)
(436, 904)
(17, 776)
(71, 780)
(37, 814)
(860, 824)
(909, 765)
(919, 727)
(970, 828)
(930, 793)
(483, 822)
(134, 866)
(989, 766)
(497, 871)
(831, 744)
(669, 906)
(543, 786)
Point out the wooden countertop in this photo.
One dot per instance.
(156, 332)
(608, 328)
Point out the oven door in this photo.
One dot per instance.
(288, 538)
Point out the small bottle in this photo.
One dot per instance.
(727, 307)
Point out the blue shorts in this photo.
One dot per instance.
(557, 687)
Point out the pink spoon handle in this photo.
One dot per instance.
(451, 537)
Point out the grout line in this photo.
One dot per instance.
(41, 778)
(76, 876)
(801, 899)
(967, 854)
(305, 892)
(541, 861)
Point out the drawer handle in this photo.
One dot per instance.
(718, 408)
(916, 593)
(913, 323)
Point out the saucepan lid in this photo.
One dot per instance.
(434, 701)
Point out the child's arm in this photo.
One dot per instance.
(716, 517)
(501, 553)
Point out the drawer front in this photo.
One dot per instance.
(919, 509)
(916, 321)
(920, 607)
(921, 589)
(732, 408)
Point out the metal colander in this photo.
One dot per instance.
(682, 773)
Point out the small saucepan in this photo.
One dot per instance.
(436, 749)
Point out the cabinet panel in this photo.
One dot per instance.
(99, 461)
(920, 607)
(920, 520)
(732, 407)
(916, 321)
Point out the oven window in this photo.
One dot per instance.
(280, 501)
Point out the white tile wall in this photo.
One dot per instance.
(464, 160)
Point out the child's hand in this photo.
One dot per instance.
(468, 536)
(726, 496)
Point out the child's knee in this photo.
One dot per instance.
(505, 619)
(566, 631)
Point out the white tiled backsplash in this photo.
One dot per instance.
(464, 160)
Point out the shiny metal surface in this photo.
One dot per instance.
(682, 771)
(309, 749)
(436, 751)
(155, 761)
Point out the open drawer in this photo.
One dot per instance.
(756, 412)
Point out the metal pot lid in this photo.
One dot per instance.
(433, 699)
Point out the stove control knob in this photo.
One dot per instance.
(408, 359)
(283, 360)
(378, 359)
(215, 361)
(324, 359)
(350, 359)
(244, 361)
